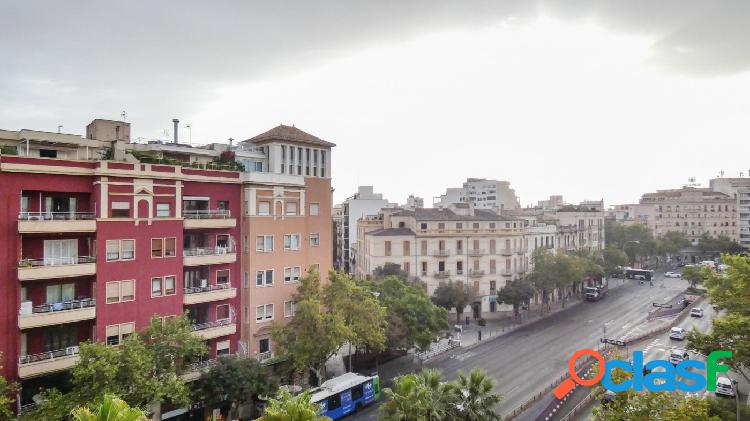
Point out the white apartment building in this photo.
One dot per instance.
(694, 211)
(482, 193)
(481, 248)
(737, 189)
(365, 203)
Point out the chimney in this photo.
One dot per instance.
(176, 124)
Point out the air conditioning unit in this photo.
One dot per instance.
(26, 308)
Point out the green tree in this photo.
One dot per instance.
(715, 246)
(516, 292)
(313, 335)
(237, 381)
(287, 407)
(557, 272)
(726, 409)
(454, 295)
(173, 344)
(731, 291)
(695, 274)
(111, 409)
(477, 400)
(614, 260)
(390, 269)
(420, 397)
(672, 242)
(413, 319)
(7, 392)
(363, 315)
(631, 405)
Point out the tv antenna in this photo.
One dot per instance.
(124, 115)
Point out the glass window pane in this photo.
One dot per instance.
(170, 247)
(155, 287)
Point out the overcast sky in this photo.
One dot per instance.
(588, 99)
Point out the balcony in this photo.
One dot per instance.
(55, 222)
(263, 356)
(476, 273)
(209, 256)
(47, 362)
(442, 274)
(203, 219)
(441, 253)
(215, 329)
(56, 313)
(195, 370)
(476, 252)
(197, 295)
(56, 267)
(506, 252)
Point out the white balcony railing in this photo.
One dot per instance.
(64, 306)
(264, 356)
(442, 274)
(207, 288)
(208, 251)
(207, 214)
(49, 355)
(56, 216)
(210, 325)
(56, 261)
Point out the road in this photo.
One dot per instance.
(525, 361)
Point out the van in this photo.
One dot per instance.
(678, 355)
(677, 333)
(724, 387)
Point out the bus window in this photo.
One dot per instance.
(357, 392)
(334, 402)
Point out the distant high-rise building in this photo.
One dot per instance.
(482, 193)
(413, 202)
(362, 204)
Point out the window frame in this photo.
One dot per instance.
(160, 240)
(292, 306)
(316, 206)
(317, 237)
(291, 244)
(169, 210)
(264, 238)
(161, 287)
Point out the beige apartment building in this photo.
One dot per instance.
(693, 211)
(480, 248)
(739, 190)
(287, 226)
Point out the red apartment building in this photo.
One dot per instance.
(94, 244)
(93, 250)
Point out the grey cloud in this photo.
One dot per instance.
(163, 57)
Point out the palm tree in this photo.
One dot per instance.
(112, 408)
(420, 397)
(292, 408)
(477, 400)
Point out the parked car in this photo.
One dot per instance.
(696, 312)
(678, 355)
(609, 397)
(677, 333)
(673, 275)
(724, 387)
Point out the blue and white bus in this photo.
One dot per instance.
(346, 394)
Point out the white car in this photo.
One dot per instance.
(678, 355)
(673, 275)
(724, 387)
(696, 312)
(677, 333)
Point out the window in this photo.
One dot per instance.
(475, 225)
(222, 312)
(292, 274)
(423, 226)
(264, 345)
(120, 250)
(289, 308)
(291, 208)
(117, 333)
(314, 240)
(113, 250)
(162, 210)
(170, 247)
(222, 277)
(222, 348)
(291, 242)
(424, 268)
(314, 209)
(264, 278)
(387, 248)
(157, 247)
(459, 225)
(357, 392)
(169, 285)
(120, 291)
(334, 402)
(156, 287)
(264, 313)
(127, 248)
(47, 153)
(120, 209)
(315, 267)
(407, 248)
(423, 247)
(264, 243)
(264, 208)
(407, 267)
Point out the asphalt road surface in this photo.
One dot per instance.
(528, 359)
